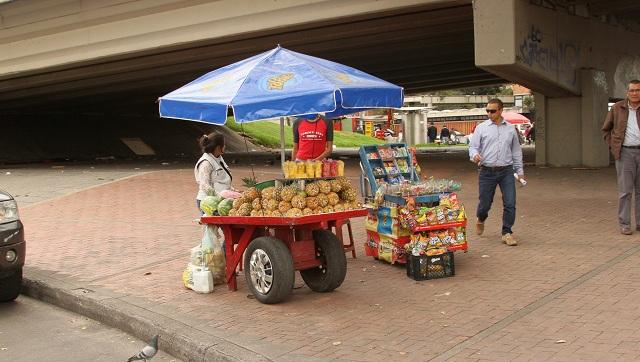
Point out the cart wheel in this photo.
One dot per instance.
(268, 269)
(333, 270)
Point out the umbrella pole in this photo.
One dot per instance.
(282, 159)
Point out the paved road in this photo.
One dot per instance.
(35, 331)
(569, 291)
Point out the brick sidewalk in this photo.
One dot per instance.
(571, 278)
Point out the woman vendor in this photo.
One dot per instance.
(211, 171)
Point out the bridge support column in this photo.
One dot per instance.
(568, 128)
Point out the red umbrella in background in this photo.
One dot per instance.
(515, 118)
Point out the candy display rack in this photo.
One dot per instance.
(396, 190)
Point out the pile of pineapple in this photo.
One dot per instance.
(318, 197)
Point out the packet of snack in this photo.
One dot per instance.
(461, 215)
(310, 170)
(440, 217)
(340, 164)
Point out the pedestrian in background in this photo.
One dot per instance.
(432, 133)
(496, 150)
(621, 131)
(444, 135)
(211, 171)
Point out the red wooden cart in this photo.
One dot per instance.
(277, 246)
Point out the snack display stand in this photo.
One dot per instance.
(408, 218)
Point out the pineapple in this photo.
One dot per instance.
(244, 210)
(327, 209)
(338, 207)
(252, 192)
(233, 212)
(318, 210)
(307, 211)
(237, 202)
(333, 198)
(298, 202)
(275, 213)
(269, 204)
(276, 193)
(257, 213)
(294, 212)
(323, 200)
(256, 204)
(288, 193)
(312, 189)
(336, 186)
(344, 182)
(324, 186)
(349, 195)
(284, 206)
(312, 202)
(268, 193)
(355, 205)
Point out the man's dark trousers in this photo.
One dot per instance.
(488, 180)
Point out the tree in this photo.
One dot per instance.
(529, 102)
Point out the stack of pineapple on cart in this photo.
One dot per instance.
(416, 222)
(293, 223)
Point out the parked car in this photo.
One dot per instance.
(12, 248)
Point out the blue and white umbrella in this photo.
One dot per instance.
(279, 83)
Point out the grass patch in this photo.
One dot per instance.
(267, 133)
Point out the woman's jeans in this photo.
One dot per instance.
(488, 180)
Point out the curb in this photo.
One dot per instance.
(177, 338)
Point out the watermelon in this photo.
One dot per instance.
(209, 204)
(225, 206)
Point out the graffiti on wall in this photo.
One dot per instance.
(561, 59)
(628, 68)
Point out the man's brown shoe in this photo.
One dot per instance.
(479, 227)
(509, 240)
(625, 230)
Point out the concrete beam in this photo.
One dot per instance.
(41, 34)
(544, 49)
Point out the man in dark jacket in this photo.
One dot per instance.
(621, 131)
(444, 135)
(432, 133)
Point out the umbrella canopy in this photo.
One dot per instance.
(515, 118)
(279, 83)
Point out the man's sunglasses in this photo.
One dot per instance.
(491, 110)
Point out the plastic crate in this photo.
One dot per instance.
(424, 267)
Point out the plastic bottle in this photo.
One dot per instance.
(202, 280)
(522, 181)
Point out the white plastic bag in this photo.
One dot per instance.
(209, 255)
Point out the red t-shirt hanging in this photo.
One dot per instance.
(311, 137)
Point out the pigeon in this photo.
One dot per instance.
(147, 352)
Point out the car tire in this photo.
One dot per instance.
(333, 270)
(11, 286)
(268, 270)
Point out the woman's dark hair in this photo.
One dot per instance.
(209, 142)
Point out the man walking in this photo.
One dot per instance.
(496, 150)
(622, 133)
(432, 133)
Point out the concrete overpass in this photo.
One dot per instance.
(83, 66)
